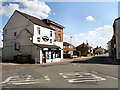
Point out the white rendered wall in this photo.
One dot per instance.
(43, 32)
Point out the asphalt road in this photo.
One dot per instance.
(94, 72)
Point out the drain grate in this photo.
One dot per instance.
(77, 77)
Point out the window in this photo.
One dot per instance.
(51, 33)
(38, 39)
(38, 30)
(5, 32)
(50, 40)
(16, 46)
(59, 38)
(54, 27)
(15, 33)
(59, 29)
(55, 35)
(69, 46)
(64, 46)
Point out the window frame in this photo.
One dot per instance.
(59, 38)
(38, 30)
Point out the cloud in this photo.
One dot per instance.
(98, 37)
(90, 18)
(54, 13)
(35, 8)
(81, 34)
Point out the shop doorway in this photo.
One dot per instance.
(44, 57)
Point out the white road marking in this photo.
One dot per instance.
(112, 77)
(94, 72)
(47, 78)
(27, 79)
(76, 77)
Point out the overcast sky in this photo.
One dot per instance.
(83, 21)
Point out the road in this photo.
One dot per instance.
(93, 72)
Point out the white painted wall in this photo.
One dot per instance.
(60, 44)
(43, 32)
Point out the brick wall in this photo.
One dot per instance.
(57, 33)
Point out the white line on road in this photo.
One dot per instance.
(94, 72)
(47, 78)
(112, 77)
(73, 64)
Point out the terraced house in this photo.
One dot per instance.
(31, 39)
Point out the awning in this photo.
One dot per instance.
(47, 46)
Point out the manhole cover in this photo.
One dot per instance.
(78, 77)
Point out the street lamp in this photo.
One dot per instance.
(70, 38)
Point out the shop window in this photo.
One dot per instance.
(38, 30)
(50, 40)
(51, 33)
(38, 39)
(59, 38)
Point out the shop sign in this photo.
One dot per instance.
(45, 48)
(45, 38)
(53, 49)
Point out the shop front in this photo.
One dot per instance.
(51, 54)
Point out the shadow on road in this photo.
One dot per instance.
(98, 60)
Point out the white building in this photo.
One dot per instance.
(27, 35)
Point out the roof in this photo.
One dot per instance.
(34, 19)
(52, 22)
(66, 43)
(84, 45)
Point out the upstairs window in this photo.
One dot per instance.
(50, 40)
(5, 32)
(38, 39)
(59, 38)
(54, 27)
(15, 33)
(38, 30)
(59, 29)
(51, 33)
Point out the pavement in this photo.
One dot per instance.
(91, 72)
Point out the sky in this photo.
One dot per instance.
(91, 21)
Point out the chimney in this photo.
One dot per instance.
(87, 42)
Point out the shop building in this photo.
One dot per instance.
(27, 35)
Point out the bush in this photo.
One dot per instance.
(78, 53)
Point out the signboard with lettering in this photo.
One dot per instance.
(45, 38)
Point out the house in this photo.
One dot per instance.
(68, 48)
(27, 36)
(115, 41)
(99, 50)
(109, 48)
(85, 49)
(0, 54)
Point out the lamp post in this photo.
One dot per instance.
(70, 39)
